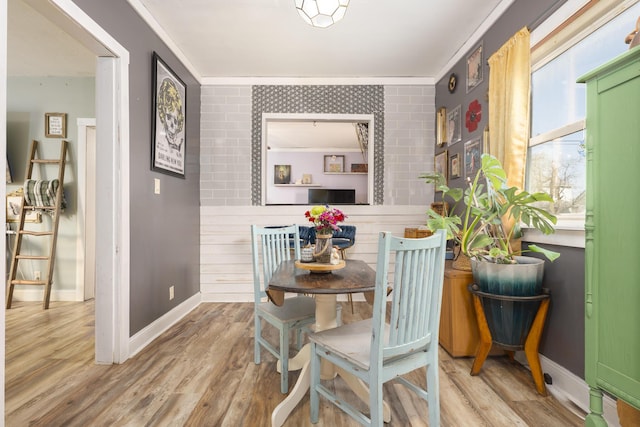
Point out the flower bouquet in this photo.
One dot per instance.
(325, 220)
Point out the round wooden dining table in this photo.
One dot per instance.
(356, 276)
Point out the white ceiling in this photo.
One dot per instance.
(266, 38)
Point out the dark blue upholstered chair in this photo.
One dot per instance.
(307, 235)
(344, 239)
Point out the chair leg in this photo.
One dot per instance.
(433, 394)
(298, 338)
(256, 345)
(284, 359)
(343, 255)
(314, 396)
(375, 403)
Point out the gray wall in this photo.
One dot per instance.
(563, 338)
(165, 228)
(28, 99)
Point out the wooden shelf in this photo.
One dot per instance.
(346, 173)
(297, 185)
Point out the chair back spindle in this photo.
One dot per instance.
(274, 246)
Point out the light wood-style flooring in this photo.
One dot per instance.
(201, 373)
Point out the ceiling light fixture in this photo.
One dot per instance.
(322, 13)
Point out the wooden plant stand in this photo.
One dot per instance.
(532, 341)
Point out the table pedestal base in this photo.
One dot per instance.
(325, 319)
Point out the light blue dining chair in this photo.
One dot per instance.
(270, 246)
(376, 351)
(343, 239)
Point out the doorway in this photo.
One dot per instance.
(112, 174)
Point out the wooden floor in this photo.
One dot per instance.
(201, 373)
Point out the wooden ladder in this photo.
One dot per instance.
(17, 256)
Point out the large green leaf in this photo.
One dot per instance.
(552, 255)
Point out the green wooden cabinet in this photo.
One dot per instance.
(612, 229)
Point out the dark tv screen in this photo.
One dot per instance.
(332, 197)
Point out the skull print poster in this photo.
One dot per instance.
(169, 120)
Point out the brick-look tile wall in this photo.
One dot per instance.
(225, 166)
(409, 143)
(225, 146)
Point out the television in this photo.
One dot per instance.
(325, 196)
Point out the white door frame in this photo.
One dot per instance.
(85, 239)
(3, 159)
(112, 174)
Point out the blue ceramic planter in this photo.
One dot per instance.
(509, 321)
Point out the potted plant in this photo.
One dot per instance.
(486, 232)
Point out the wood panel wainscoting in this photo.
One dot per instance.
(201, 373)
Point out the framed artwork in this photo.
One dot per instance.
(474, 68)
(306, 178)
(454, 166)
(472, 152)
(169, 124)
(441, 126)
(333, 163)
(440, 164)
(55, 125)
(485, 140)
(282, 174)
(454, 125)
(359, 167)
(13, 210)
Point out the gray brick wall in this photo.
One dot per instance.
(409, 143)
(225, 146)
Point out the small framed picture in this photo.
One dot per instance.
(306, 178)
(359, 167)
(454, 166)
(440, 164)
(454, 125)
(282, 174)
(472, 153)
(55, 125)
(441, 126)
(474, 68)
(14, 202)
(333, 163)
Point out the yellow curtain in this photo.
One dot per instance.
(509, 93)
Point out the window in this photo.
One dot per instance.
(556, 161)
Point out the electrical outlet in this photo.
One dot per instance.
(156, 186)
(171, 293)
(36, 275)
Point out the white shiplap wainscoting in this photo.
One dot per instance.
(225, 240)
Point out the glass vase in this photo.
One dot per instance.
(324, 245)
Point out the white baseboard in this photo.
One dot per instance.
(36, 294)
(140, 340)
(571, 390)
